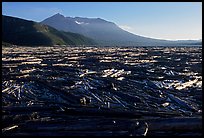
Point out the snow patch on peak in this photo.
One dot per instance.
(81, 22)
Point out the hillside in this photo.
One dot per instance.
(23, 32)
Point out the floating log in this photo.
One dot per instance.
(115, 113)
(91, 91)
(175, 125)
(18, 109)
(181, 102)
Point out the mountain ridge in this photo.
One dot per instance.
(102, 31)
(84, 31)
(26, 32)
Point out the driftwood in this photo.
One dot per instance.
(26, 109)
(148, 127)
(73, 91)
(71, 133)
(64, 94)
(176, 123)
(175, 126)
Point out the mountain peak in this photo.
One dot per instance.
(58, 15)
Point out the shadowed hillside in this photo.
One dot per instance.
(23, 32)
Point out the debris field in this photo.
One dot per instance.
(106, 91)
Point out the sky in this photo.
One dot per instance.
(162, 20)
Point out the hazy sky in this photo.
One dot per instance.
(165, 20)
